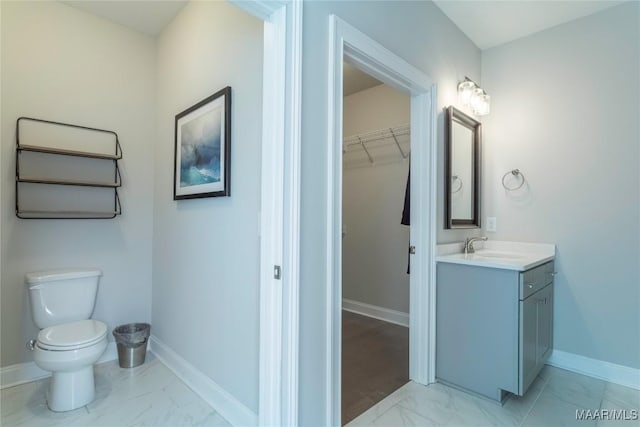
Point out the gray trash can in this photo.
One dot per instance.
(132, 343)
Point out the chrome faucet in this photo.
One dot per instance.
(468, 244)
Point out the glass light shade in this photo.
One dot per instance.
(465, 92)
(480, 102)
(483, 105)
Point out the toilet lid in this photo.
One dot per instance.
(73, 334)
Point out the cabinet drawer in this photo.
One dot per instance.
(533, 280)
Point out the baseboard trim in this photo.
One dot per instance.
(380, 313)
(22, 373)
(618, 374)
(225, 404)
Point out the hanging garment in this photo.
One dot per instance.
(406, 215)
(406, 212)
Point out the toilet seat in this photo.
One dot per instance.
(72, 336)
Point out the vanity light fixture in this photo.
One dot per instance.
(470, 94)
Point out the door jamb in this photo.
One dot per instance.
(280, 207)
(346, 42)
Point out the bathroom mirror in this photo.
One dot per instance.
(462, 170)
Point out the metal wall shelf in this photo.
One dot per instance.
(52, 179)
(68, 214)
(49, 150)
(70, 182)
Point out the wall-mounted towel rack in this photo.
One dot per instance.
(46, 178)
(515, 173)
(379, 146)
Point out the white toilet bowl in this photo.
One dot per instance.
(69, 351)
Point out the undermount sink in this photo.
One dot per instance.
(492, 254)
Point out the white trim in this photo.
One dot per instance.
(333, 333)
(225, 404)
(22, 373)
(348, 44)
(261, 9)
(271, 250)
(617, 374)
(423, 237)
(431, 220)
(280, 218)
(291, 210)
(386, 314)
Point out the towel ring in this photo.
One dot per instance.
(453, 179)
(514, 172)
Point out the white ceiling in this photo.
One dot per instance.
(487, 23)
(355, 80)
(146, 16)
(491, 23)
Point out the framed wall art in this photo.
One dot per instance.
(202, 163)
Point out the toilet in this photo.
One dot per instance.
(69, 342)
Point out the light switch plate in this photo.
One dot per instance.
(491, 224)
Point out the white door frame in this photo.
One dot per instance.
(280, 218)
(349, 44)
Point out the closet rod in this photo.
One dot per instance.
(380, 134)
(389, 135)
(404, 156)
(364, 147)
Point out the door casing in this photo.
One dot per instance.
(348, 44)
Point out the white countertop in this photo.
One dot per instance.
(498, 254)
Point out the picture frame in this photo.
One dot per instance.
(202, 156)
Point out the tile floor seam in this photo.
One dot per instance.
(569, 401)
(546, 382)
(400, 405)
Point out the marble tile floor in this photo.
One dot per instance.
(151, 395)
(148, 395)
(551, 401)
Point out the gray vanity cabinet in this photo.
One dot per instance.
(494, 327)
(536, 334)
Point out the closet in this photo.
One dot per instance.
(375, 283)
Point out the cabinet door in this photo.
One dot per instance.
(528, 343)
(536, 335)
(544, 344)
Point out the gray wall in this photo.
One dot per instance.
(206, 251)
(565, 110)
(422, 35)
(62, 64)
(374, 254)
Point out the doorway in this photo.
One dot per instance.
(350, 45)
(375, 239)
(279, 216)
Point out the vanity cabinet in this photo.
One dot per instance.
(535, 330)
(494, 327)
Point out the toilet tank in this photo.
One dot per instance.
(61, 296)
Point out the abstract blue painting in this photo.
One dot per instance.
(200, 149)
(203, 134)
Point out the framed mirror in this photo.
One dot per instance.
(462, 170)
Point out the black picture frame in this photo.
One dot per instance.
(453, 117)
(202, 151)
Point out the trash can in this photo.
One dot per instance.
(132, 343)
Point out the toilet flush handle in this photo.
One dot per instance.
(31, 345)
